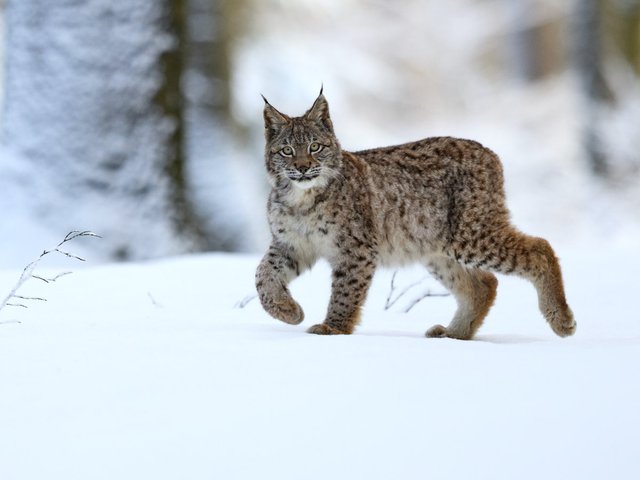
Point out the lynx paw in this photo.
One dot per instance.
(563, 324)
(286, 310)
(437, 331)
(324, 329)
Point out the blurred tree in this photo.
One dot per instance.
(2, 56)
(171, 102)
(95, 107)
(536, 44)
(596, 93)
(211, 31)
(623, 24)
(209, 41)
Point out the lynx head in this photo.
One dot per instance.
(301, 151)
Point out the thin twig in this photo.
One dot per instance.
(52, 279)
(392, 288)
(27, 272)
(30, 298)
(245, 301)
(390, 302)
(7, 322)
(78, 233)
(24, 276)
(70, 255)
(153, 301)
(417, 300)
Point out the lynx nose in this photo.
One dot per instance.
(302, 169)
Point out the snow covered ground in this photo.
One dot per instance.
(147, 370)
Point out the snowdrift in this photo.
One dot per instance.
(151, 370)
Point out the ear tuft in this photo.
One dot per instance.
(274, 121)
(319, 113)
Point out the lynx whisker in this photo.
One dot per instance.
(333, 173)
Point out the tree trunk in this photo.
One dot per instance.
(535, 45)
(623, 25)
(596, 94)
(210, 138)
(93, 106)
(523, 46)
(170, 100)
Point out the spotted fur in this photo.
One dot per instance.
(438, 201)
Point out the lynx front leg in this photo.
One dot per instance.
(278, 267)
(351, 281)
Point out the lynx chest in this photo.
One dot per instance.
(310, 234)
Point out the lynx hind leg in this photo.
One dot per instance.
(474, 291)
(532, 258)
(544, 271)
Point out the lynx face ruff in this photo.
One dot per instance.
(438, 201)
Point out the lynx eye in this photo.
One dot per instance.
(287, 151)
(314, 147)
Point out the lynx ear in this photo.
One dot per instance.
(319, 113)
(273, 120)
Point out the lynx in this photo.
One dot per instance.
(438, 201)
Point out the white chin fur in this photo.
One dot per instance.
(305, 185)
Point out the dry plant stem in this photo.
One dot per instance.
(27, 272)
(52, 279)
(245, 301)
(391, 302)
(154, 302)
(422, 297)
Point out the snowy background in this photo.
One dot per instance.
(500, 72)
(149, 369)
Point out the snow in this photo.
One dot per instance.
(148, 371)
